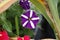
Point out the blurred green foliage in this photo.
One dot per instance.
(59, 8)
(7, 20)
(54, 10)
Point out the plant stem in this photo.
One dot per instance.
(56, 30)
(17, 25)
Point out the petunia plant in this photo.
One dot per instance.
(50, 10)
(19, 18)
(11, 21)
(29, 19)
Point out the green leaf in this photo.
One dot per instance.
(17, 25)
(28, 32)
(59, 0)
(53, 7)
(59, 8)
(42, 10)
(5, 23)
(11, 34)
(14, 10)
(7, 26)
(53, 4)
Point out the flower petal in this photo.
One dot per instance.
(22, 0)
(24, 4)
(32, 24)
(24, 16)
(35, 22)
(25, 24)
(36, 18)
(0, 34)
(4, 35)
(31, 13)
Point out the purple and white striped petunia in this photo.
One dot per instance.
(29, 19)
(25, 4)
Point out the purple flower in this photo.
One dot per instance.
(29, 19)
(24, 4)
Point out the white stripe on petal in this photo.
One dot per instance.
(25, 23)
(24, 16)
(31, 13)
(22, 0)
(35, 18)
(32, 24)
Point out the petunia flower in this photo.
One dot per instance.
(29, 19)
(25, 4)
(4, 35)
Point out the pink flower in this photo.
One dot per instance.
(26, 37)
(4, 35)
(19, 38)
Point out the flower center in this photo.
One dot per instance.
(29, 18)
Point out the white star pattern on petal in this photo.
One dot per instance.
(32, 24)
(36, 18)
(31, 13)
(25, 23)
(24, 16)
(30, 19)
